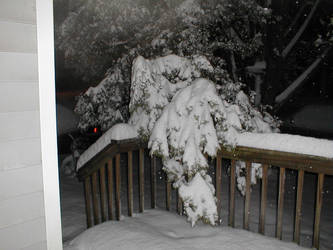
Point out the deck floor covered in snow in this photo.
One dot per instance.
(161, 230)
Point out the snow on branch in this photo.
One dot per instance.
(154, 83)
(188, 128)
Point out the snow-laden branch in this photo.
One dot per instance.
(294, 40)
(282, 97)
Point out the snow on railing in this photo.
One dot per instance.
(102, 173)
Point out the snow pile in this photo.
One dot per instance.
(161, 230)
(120, 131)
(154, 83)
(288, 143)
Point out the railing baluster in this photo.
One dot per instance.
(263, 199)
(218, 186)
(179, 204)
(118, 185)
(280, 203)
(153, 181)
(168, 194)
(247, 197)
(87, 195)
(298, 206)
(103, 192)
(319, 203)
(95, 198)
(141, 180)
(232, 194)
(130, 183)
(110, 189)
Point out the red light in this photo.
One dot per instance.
(95, 130)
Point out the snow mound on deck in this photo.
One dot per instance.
(287, 143)
(120, 131)
(161, 230)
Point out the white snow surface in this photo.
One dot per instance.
(287, 143)
(120, 131)
(161, 230)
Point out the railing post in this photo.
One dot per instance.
(130, 183)
(218, 180)
(319, 203)
(118, 185)
(153, 181)
(103, 192)
(87, 195)
(263, 199)
(282, 179)
(298, 206)
(168, 194)
(141, 180)
(232, 194)
(247, 197)
(110, 189)
(95, 199)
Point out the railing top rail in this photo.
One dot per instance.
(309, 163)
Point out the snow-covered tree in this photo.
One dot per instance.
(105, 36)
(186, 118)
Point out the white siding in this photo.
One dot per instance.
(29, 178)
(19, 37)
(21, 11)
(23, 235)
(19, 125)
(19, 154)
(18, 66)
(22, 220)
(18, 96)
(33, 209)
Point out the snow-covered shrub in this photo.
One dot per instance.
(186, 118)
(104, 105)
(155, 82)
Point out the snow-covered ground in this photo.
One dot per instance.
(161, 230)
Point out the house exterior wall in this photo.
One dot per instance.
(23, 220)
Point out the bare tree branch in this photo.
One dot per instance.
(286, 94)
(294, 40)
(297, 17)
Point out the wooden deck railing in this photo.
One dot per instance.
(102, 173)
